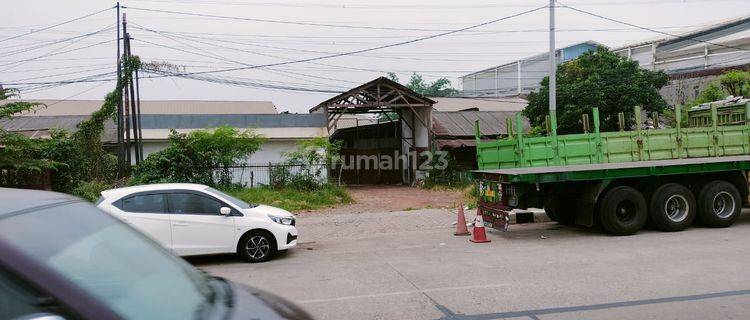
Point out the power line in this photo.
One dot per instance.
(76, 94)
(375, 48)
(161, 74)
(203, 53)
(90, 78)
(314, 24)
(32, 48)
(286, 49)
(60, 68)
(410, 6)
(650, 29)
(57, 25)
(50, 54)
(274, 56)
(60, 74)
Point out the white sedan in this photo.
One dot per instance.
(194, 219)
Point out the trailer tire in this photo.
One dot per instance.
(719, 204)
(623, 211)
(672, 207)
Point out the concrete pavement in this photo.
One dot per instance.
(408, 265)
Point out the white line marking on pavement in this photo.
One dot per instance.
(387, 294)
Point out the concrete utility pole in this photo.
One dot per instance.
(126, 111)
(553, 82)
(552, 59)
(120, 131)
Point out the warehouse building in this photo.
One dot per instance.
(282, 131)
(519, 77)
(694, 59)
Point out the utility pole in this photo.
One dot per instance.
(120, 146)
(133, 111)
(126, 114)
(553, 80)
(138, 114)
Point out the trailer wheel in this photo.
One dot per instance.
(623, 211)
(672, 207)
(719, 204)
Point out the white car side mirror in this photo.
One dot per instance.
(224, 211)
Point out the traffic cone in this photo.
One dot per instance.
(478, 234)
(461, 229)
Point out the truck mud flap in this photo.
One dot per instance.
(495, 217)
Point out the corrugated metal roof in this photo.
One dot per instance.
(494, 104)
(198, 121)
(710, 33)
(461, 123)
(86, 107)
(541, 56)
(293, 125)
(40, 127)
(354, 121)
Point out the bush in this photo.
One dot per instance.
(196, 157)
(326, 195)
(446, 176)
(91, 190)
(310, 161)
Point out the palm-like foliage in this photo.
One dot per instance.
(9, 109)
(18, 151)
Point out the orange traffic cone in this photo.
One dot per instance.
(461, 229)
(478, 233)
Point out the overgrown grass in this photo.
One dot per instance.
(295, 200)
(91, 190)
(470, 195)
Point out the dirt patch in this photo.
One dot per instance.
(394, 198)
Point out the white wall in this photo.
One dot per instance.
(257, 172)
(272, 150)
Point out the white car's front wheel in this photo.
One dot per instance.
(257, 246)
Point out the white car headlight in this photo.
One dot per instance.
(289, 221)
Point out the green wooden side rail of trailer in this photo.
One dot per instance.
(621, 179)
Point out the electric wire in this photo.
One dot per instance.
(56, 25)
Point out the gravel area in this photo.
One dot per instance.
(378, 198)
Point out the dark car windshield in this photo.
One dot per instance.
(114, 263)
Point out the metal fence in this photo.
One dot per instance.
(256, 175)
(13, 178)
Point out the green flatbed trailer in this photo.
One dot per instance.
(621, 179)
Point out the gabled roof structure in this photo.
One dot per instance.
(375, 96)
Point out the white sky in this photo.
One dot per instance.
(252, 42)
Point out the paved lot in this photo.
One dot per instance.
(408, 265)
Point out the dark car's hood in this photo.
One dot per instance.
(252, 303)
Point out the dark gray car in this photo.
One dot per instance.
(62, 258)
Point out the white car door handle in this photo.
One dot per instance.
(180, 224)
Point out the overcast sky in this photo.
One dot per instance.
(202, 43)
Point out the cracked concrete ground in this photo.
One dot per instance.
(408, 265)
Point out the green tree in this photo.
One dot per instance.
(19, 152)
(600, 79)
(439, 88)
(74, 158)
(736, 83)
(195, 157)
(8, 109)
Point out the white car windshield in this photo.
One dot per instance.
(237, 202)
(120, 267)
